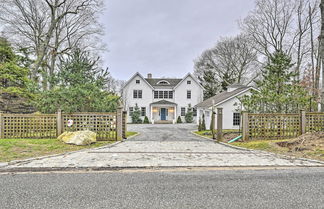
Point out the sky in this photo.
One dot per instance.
(164, 37)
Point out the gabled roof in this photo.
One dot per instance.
(163, 102)
(155, 82)
(193, 77)
(223, 97)
(137, 74)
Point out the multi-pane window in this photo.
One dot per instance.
(156, 94)
(143, 111)
(188, 94)
(163, 94)
(131, 110)
(138, 81)
(160, 94)
(236, 119)
(137, 94)
(183, 111)
(170, 94)
(188, 82)
(194, 111)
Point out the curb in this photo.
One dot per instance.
(87, 169)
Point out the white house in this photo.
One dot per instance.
(229, 101)
(162, 100)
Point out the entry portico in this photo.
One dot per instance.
(163, 112)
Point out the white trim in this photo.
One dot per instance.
(193, 77)
(132, 78)
(235, 95)
(159, 83)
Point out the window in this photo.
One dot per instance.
(183, 111)
(138, 81)
(236, 119)
(166, 94)
(163, 82)
(131, 110)
(160, 94)
(137, 94)
(188, 94)
(188, 82)
(195, 112)
(156, 94)
(143, 111)
(140, 94)
(170, 94)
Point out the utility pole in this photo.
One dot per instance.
(322, 53)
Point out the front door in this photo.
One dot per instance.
(163, 114)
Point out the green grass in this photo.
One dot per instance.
(265, 145)
(17, 149)
(130, 133)
(208, 133)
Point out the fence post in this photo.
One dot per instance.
(59, 123)
(245, 126)
(1, 126)
(219, 124)
(302, 115)
(124, 124)
(119, 123)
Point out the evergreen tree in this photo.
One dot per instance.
(146, 120)
(189, 117)
(203, 123)
(136, 115)
(277, 90)
(179, 120)
(199, 125)
(13, 78)
(79, 87)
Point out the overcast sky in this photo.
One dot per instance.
(163, 37)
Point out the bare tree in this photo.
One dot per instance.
(50, 28)
(288, 26)
(232, 60)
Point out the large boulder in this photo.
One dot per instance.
(78, 137)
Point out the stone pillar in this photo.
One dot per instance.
(59, 122)
(245, 126)
(119, 123)
(302, 123)
(219, 124)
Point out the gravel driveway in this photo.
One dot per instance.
(163, 146)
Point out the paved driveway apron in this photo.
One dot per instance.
(165, 146)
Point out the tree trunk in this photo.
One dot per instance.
(322, 53)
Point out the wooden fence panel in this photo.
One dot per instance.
(104, 124)
(314, 122)
(28, 125)
(273, 126)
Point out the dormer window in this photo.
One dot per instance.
(163, 82)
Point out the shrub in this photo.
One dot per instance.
(189, 117)
(179, 120)
(203, 123)
(136, 115)
(146, 120)
(199, 125)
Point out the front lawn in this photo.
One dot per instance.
(17, 149)
(228, 134)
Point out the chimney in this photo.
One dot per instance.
(149, 75)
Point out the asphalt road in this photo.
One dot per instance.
(291, 188)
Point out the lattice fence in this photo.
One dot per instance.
(273, 126)
(52, 125)
(104, 124)
(28, 126)
(314, 122)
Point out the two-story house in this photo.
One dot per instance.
(162, 100)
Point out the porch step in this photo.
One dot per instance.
(163, 122)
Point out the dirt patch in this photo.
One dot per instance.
(230, 135)
(306, 145)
